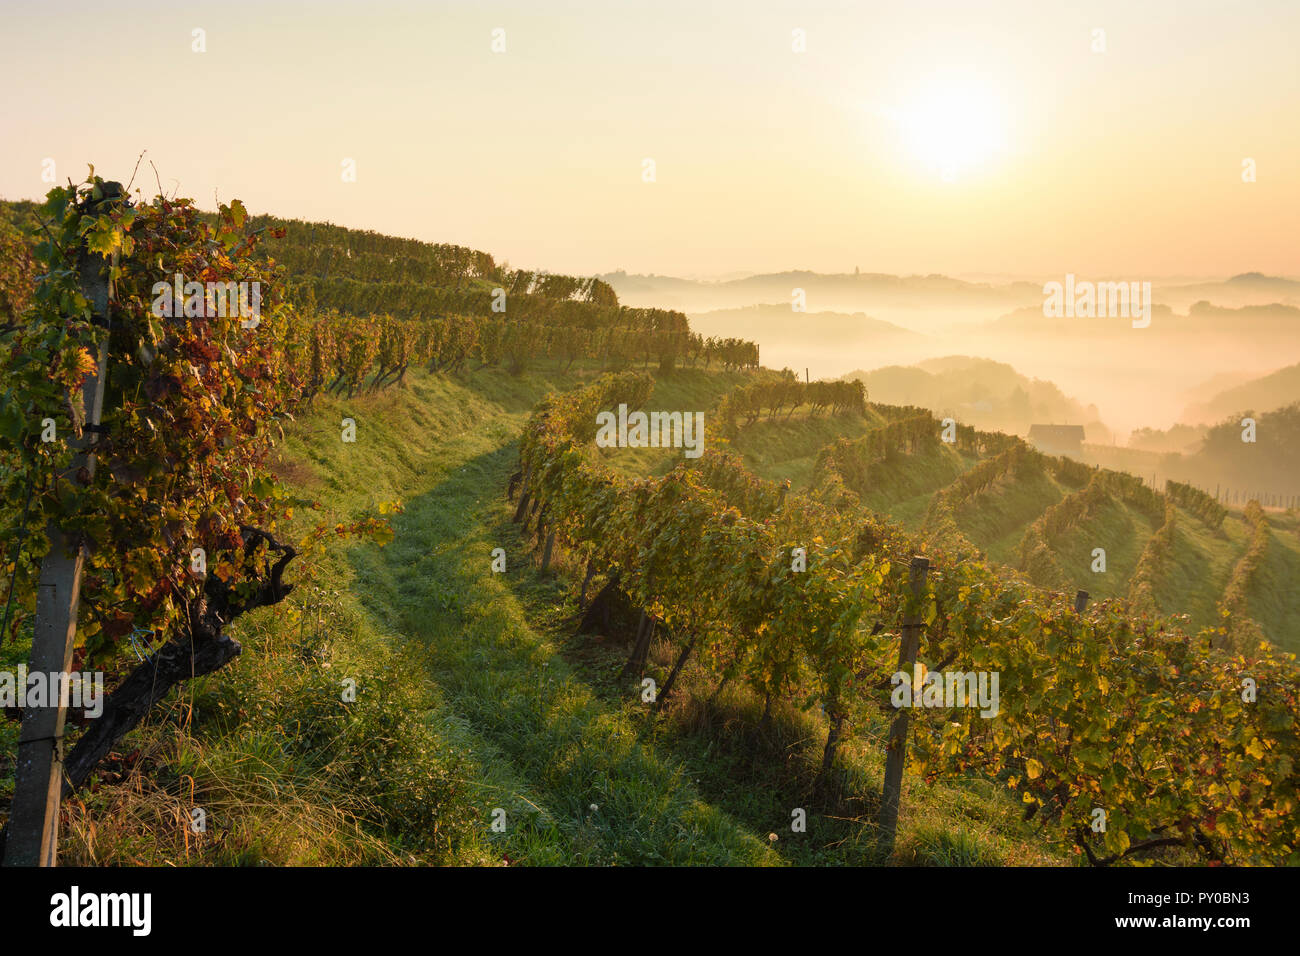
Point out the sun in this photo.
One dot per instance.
(953, 127)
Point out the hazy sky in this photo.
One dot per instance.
(954, 137)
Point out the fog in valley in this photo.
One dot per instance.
(1205, 337)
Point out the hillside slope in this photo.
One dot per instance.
(1262, 394)
(473, 694)
(1191, 580)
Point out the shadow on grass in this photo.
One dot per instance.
(582, 784)
(582, 771)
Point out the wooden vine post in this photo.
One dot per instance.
(896, 753)
(33, 829)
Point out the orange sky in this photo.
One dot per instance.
(953, 137)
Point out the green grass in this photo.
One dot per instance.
(1201, 562)
(1273, 598)
(286, 771)
(474, 695)
(996, 519)
(562, 748)
(762, 775)
(786, 449)
(685, 390)
(1122, 532)
(902, 487)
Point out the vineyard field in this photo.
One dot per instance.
(454, 520)
(480, 450)
(427, 606)
(996, 520)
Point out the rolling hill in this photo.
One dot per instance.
(997, 520)
(982, 392)
(794, 339)
(1263, 394)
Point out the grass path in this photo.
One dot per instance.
(473, 695)
(551, 749)
(554, 735)
(548, 731)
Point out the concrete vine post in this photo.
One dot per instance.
(896, 755)
(32, 835)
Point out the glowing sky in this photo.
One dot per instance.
(955, 137)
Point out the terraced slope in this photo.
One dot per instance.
(995, 521)
(1274, 593)
(1122, 532)
(1190, 581)
(1202, 562)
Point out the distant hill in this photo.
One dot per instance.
(981, 392)
(1212, 386)
(798, 340)
(1140, 376)
(881, 293)
(1260, 395)
(843, 292)
(1249, 288)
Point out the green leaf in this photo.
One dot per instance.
(101, 241)
(1117, 841)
